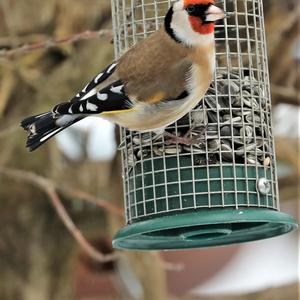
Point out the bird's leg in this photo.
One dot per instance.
(199, 132)
(186, 139)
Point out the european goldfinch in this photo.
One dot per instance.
(152, 85)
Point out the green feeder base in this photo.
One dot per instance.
(204, 228)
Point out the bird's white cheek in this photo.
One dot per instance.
(185, 33)
(178, 5)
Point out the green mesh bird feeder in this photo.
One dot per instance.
(222, 190)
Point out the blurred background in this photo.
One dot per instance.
(61, 205)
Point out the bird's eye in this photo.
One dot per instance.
(190, 8)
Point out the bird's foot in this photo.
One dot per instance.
(185, 140)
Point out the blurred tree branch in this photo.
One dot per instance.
(73, 229)
(43, 182)
(50, 188)
(288, 95)
(86, 35)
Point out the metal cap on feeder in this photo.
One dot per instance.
(224, 189)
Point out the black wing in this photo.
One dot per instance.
(96, 81)
(109, 99)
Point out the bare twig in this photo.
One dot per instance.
(6, 41)
(92, 199)
(288, 95)
(85, 245)
(45, 182)
(50, 188)
(86, 35)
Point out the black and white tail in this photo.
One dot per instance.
(42, 127)
(89, 101)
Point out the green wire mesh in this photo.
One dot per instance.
(232, 171)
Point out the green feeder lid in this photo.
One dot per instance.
(204, 228)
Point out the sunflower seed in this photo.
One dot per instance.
(230, 89)
(122, 144)
(213, 145)
(212, 130)
(170, 149)
(246, 133)
(136, 140)
(199, 130)
(227, 131)
(250, 102)
(194, 149)
(199, 117)
(240, 113)
(157, 151)
(142, 153)
(144, 138)
(253, 118)
(251, 159)
(131, 159)
(226, 151)
(212, 117)
(211, 103)
(233, 120)
(246, 148)
(267, 161)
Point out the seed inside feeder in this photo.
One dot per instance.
(225, 126)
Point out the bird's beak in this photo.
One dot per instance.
(214, 13)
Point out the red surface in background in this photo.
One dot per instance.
(199, 266)
(88, 283)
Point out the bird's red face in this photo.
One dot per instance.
(202, 15)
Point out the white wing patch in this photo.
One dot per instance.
(111, 67)
(102, 96)
(40, 115)
(84, 89)
(98, 77)
(91, 107)
(117, 89)
(89, 94)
